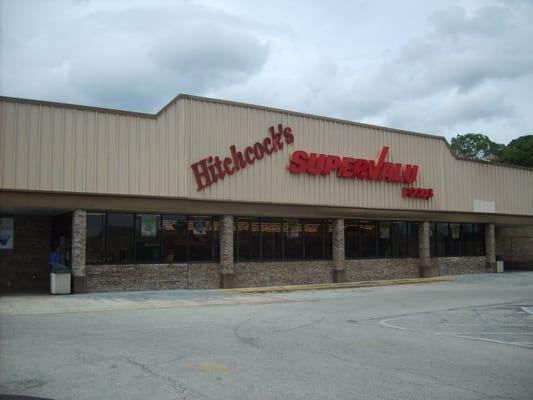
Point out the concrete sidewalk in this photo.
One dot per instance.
(33, 304)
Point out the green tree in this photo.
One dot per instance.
(476, 146)
(518, 152)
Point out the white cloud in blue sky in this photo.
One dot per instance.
(439, 67)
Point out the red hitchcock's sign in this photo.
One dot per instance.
(210, 169)
(356, 168)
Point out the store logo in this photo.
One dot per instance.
(212, 169)
(356, 168)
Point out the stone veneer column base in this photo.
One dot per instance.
(339, 276)
(227, 280)
(491, 267)
(427, 271)
(79, 284)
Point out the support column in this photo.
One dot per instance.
(79, 235)
(490, 247)
(339, 261)
(226, 252)
(424, 255)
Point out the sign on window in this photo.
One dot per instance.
(6, 233)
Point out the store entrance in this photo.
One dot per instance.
(24, 263)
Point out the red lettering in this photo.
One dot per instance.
(238, 159)
(409, 173)
(315, 164)
(346, 170)
(396, 172)
(332, 162)
(227, 166)
(297, 162)
(361, 168)
(386, 172)
(266, 142)
(420, 193)
(377, 164)
(276, 139)
(211, 169)
(201, 176)
(218, 166)
(289, 137)
(248, 152)
(259, 152)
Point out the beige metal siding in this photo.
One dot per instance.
(53, 148)
(63, 149)
(214, 127)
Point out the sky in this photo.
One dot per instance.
(440, 67)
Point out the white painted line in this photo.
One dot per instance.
(518, 344)
(483, 333)
(385, 323)
(528, 309)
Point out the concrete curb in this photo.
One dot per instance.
(346, 285)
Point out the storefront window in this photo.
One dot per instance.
(467, 232)
(385, 239)
(454, 240)
(399, 234)
(247, 237)
(119, 238)
(200, 231)
(441, 239)
(382, 239)
(368, 233)
(313, 239)
(457, 240)
(479, 239)
(292, 239)
(413, 240)
(271, 239)
(95, 249)
(147, 238)
(174, 238)
(328, 239)
(351, 239)
(216, 238)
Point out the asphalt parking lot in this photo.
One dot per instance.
(470, 338)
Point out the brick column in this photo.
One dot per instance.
(424, 256)
(79, 234)
(339, 261)
(226, 252)
(490, 247)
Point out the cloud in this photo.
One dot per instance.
(462, 74)
(134, 58)
(419, 66)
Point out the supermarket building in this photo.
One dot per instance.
(209, 193)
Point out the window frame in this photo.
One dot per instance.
(378, 223)
(325, 223)
(215, 256)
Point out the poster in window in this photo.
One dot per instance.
(455, 231)
(6, 233)
(148, 226)
(292, 230)
(384, 231)
(199, 226)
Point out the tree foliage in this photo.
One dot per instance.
(476, 146)
(518, 152)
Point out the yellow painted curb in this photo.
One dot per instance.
(346, 285)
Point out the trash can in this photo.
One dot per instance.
(499, 266)
(59, 279)
(499, 263)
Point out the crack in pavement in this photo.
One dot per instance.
(180, 389)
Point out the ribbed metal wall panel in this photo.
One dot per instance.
(213, 127)
(53, 148)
